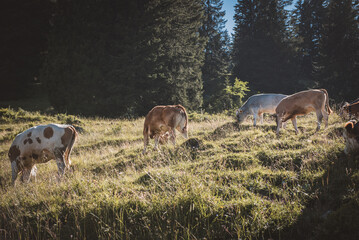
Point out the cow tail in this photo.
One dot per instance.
(329, 110)
(71, 144)
(145, 130)
(145, 133)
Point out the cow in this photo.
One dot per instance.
(351, 137)
(40, 144)
(161, 122)
(302, 103)
(258, 104)
(352, 109)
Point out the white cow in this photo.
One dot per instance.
(258, 104)
(40, 144)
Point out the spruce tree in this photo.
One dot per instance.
(123, 57)
(308, 21)
(261, 54)
(215, 69)
(175, 54)
(339, 50)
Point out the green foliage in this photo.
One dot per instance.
(238, 91)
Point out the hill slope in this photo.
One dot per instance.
(226, 182)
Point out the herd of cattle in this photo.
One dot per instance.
(42, 143)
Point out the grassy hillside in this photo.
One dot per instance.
(226, 182)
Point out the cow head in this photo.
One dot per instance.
(240, 115)
(351, 136)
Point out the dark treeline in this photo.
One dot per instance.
(120, 58)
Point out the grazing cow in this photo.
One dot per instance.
(38, 145)
(351, 136)
(258, 104)
(302, 103)
(161, 122)
(352, 109)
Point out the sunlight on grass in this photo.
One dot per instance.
(240, 182)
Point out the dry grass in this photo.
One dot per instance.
(239, 182)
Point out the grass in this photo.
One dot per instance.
(235, 182)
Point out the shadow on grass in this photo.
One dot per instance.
(333, 212)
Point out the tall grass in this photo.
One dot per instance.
(239, 182)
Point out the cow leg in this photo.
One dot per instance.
(255, 116)
(157, 137)
(60, 166)
(60, 161)
(325, 115)
(294, 121)
(279, 124)
(319, 119)
(173, 136)
(25, 177)
(145, 143)
(14, 171)
(33, 172)
(261, 116)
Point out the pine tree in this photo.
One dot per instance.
(308, 21)
(261, 55)
(123, 57)
(216, 61)
(175, 54)
(81, 71)
(339, 50)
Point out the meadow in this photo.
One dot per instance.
(227, 181)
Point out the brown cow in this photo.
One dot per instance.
(38, 145)
(302, 103)
(351, 136)
(352, 109)
(161, 122)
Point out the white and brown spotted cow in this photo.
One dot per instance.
(161, 122)
(40, 144)
(302, 103)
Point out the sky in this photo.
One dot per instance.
(228, 6)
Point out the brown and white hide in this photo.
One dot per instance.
(302, 103)
(40, 144)
(161, 122)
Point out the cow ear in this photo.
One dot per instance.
(349, 126)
